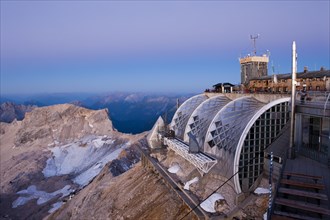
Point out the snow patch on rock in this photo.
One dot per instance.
(84, 178)
(42, 197)
(55, 206)
(265, 216)
(98, 142)
(187, 184)
(261, 190)
(84, 160)
(208, 204)
(174, 169)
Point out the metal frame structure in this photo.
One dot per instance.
(201, 161)
(183, 113)
(235, 133)
(227, 126)
(259, 132)
(201, 118)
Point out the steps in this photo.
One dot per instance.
(315, 186)
(302, 205)
(303, 193)
(302, 175)
(292, 215)
(299, 197)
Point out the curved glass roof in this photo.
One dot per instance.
(201, 118)
(232, 131)
(183, 113)
(228, 125)
(273, 116)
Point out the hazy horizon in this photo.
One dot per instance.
(143, 46)
(156, 93)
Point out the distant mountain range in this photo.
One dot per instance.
(129, 112)
(10, 111)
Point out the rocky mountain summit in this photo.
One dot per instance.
(62, 123)
(60, 157)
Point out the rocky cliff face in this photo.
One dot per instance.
(62, 123)
(10, 111)
(54, 152)
(64, 158)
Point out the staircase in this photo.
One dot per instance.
(299, 197)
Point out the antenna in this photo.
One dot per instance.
(254, 38)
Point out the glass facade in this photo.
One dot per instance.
(201, 118)
(228, 124)
(183, 113)
(262, 133)
(234, 132)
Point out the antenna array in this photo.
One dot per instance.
(254, 38)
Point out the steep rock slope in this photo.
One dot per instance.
(136, 194)
(61, 133)
(69, 161)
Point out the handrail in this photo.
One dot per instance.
(315, 98)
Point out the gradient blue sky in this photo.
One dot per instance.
(148, 46)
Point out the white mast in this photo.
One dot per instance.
(293, 99)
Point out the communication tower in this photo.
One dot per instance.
(253, 66)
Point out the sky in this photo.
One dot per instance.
(152, 46)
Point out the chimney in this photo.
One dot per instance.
(322, 68)
(305, 69)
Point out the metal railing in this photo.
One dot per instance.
(314, 98)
